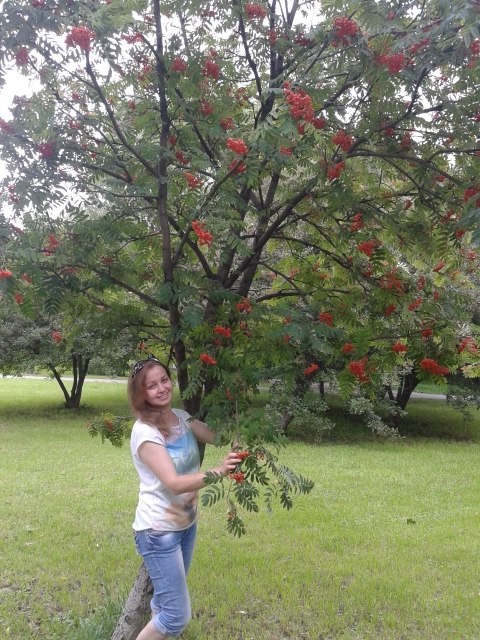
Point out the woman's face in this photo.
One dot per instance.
(158, 387)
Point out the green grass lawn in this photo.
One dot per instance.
(386, 546)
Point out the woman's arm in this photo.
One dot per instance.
(201, 432)
(156, 457)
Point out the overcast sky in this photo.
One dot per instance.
(16, 85)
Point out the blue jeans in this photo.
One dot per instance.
(167, 556)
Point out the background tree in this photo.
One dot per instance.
(41, 345)
(67, 335)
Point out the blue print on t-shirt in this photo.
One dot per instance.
(184, 453)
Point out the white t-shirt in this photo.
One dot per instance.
(158, 508)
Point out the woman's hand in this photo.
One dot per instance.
(228, 464)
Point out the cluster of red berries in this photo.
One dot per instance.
(388, 132)
(389, 309)
(192, 180)
(432, 367)
(358, 369)
(133, 38)
(310, 369)
(227, 123)
(319, 122)
(326, 318)
(391, 282)
(144, 73)
(368, 247)
(237, 476)
(395, 62)
(415, 48)
(471, 254)
(223, 331)
(470, 193)
(367, 271)
(237, 145)
(344, 29)
(302, 40)
(272, 37)
(475, 48)
(21, 57)
(204, 237)
(300, 103)
(343, 140)
(47, 149)
(211, 69)
(181, 157)
(439, 266)
(178, 65)
(348, 347)
(399, 347)
(80, 37)
(206, 107)
(237, 166)
(467, 344)
(357, 223)
(406, 141)
(335, 170)
(207, 359)
(244, 306)
(6, 127)
(57, 336)
(5, 273)
(415, 304)
(426, 333)
(51, 245)
(255, 10)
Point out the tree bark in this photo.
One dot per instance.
(405, 390)
(80, 370)
(136, 610)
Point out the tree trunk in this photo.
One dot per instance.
(80, 369)
(136, 610)
(405, 390)
(58, 378)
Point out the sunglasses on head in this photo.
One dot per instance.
(138, 366)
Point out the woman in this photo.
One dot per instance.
(165, 454)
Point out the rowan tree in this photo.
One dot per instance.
(286, 188)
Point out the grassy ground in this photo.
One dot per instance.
(384, 548)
